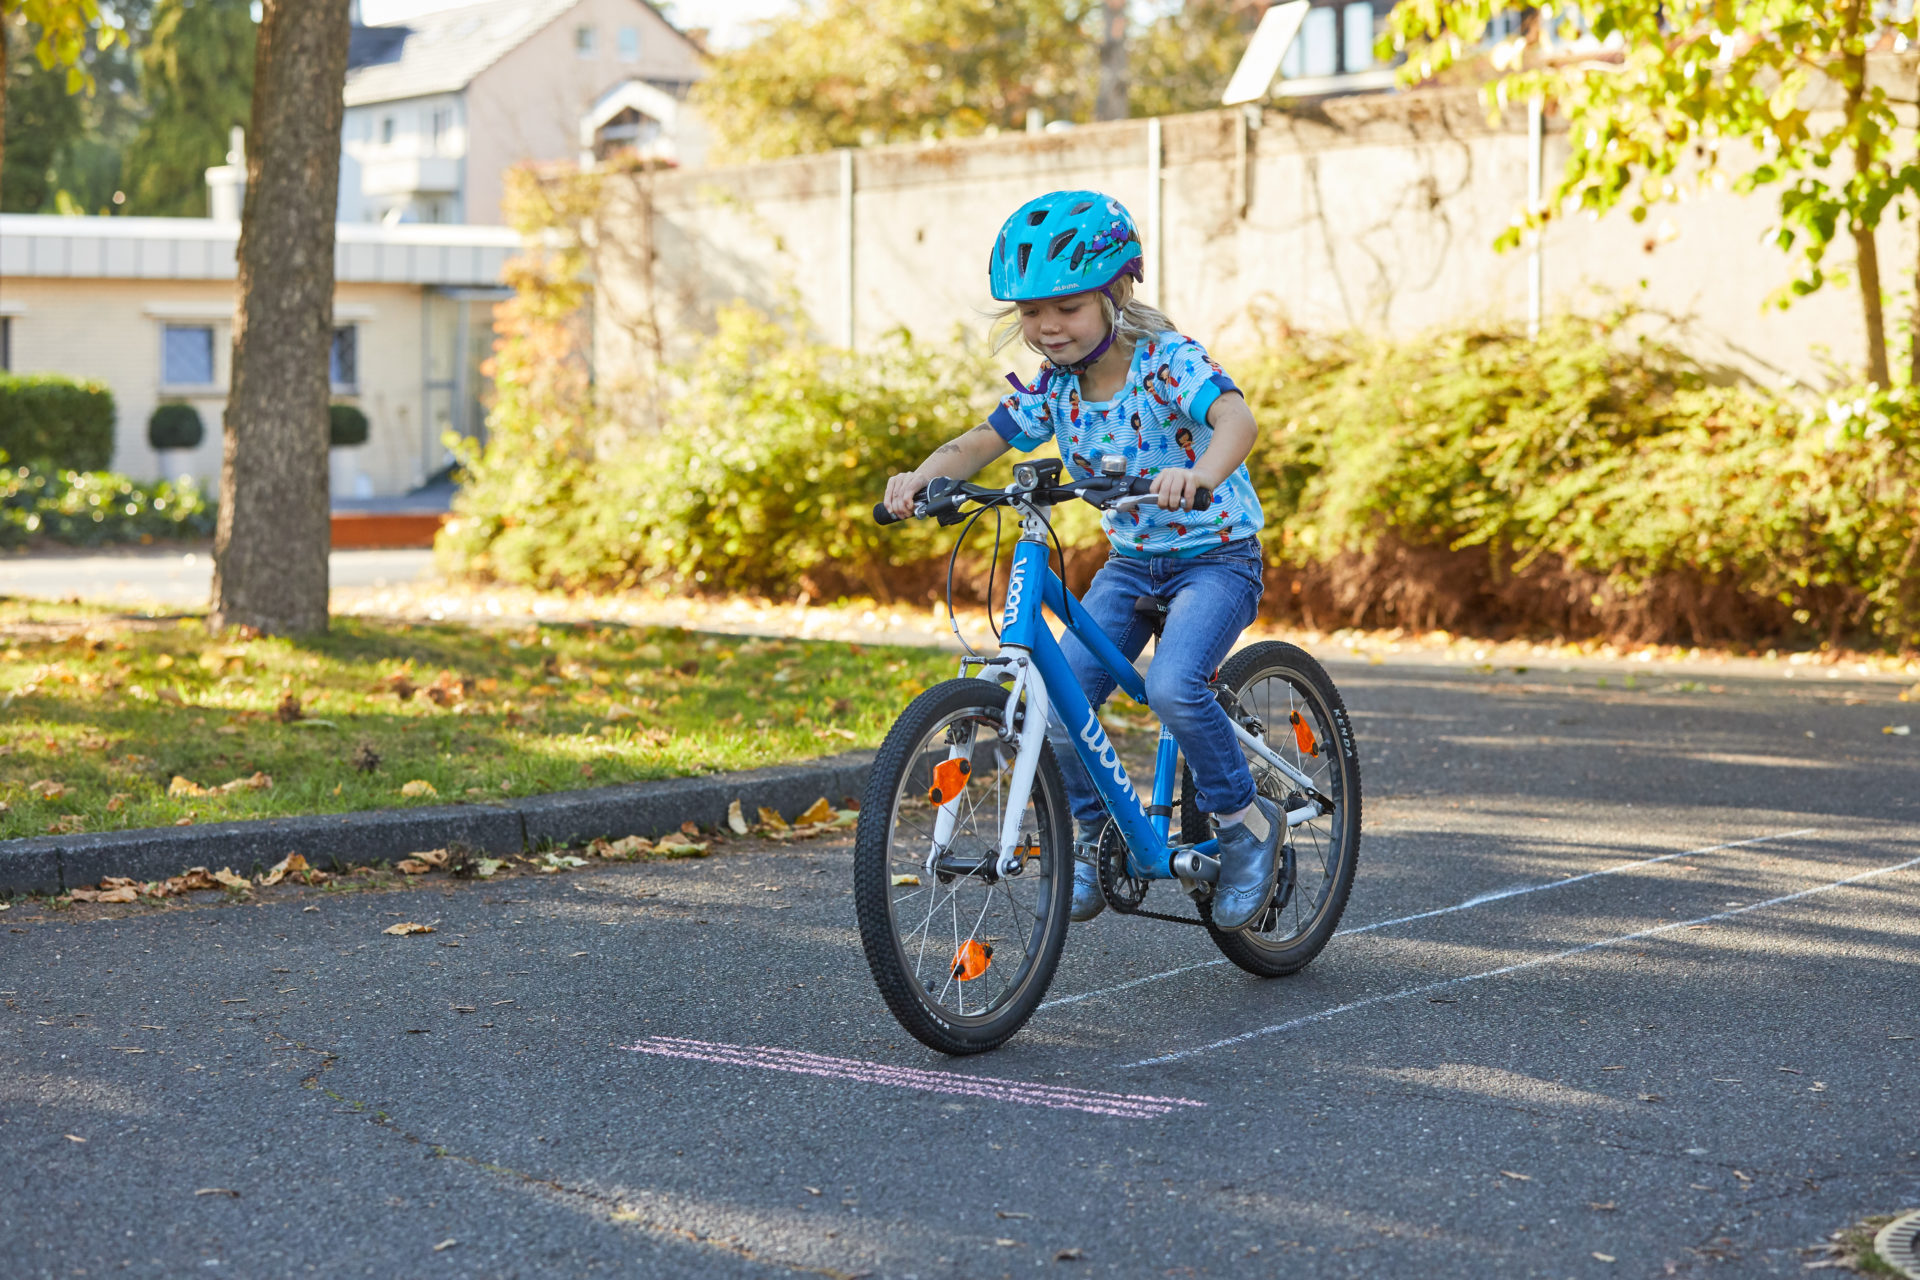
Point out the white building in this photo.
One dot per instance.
(440, 106)
(145, 305)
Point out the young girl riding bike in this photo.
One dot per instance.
(1118, 380)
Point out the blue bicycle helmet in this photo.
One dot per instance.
(1061, 243)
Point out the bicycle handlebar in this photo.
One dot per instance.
(1101, 491)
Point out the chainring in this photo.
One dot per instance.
(1123, 893)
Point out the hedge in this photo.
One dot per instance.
(346, 426)
(1585, 482)
(96, 508)
(175, 426)
(56, 423)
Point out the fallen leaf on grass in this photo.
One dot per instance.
(170, 696)
(48, 789)
(406, 927)
(419, 787)
(255, 782)
(412, 867)
(736, 820)
(400, 686)
(67, 824)
(289, 709)
(620, 711)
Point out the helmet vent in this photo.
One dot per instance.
(1037, 217)
(1026, 251)
(1081, 208)
(1060, 242)
(1079, 252)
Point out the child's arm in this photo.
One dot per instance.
(1233, 434)
(958, 459)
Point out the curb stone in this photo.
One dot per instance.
(52, 864)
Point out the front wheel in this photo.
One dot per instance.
(1302, 719)
(961, 954)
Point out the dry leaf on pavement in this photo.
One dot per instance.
(292, 864)
(432, 857)
(226, 877)
(627, 847)
(771, 819)
(819, 811)
(419, 787)
(671, 848)
(1898, 730)
(406, 927)
(412, 867)
(736, 820)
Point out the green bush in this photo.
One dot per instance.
(1587, 481)
(175, 426)
(94, 508)
(346, 426)
(56, 423)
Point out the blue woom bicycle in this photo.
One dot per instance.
(963, 860)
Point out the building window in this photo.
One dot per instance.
(442, 126)
(186, 355)
(1356, 33)
(343, 362)
(629, 44)
(386, 130)
(586, 42)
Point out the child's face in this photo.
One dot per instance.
(1066, 329)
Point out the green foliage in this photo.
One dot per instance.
(853, 72)
(1183, 59)
(94, 508)
(198, 72)
(42, 121)
(1589, 451)
(175, 426)
(56, 422)
(1694, 78)
(60, 35)
(346, 426)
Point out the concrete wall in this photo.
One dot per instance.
(1374, 213)
(528, 105)
(111, 330)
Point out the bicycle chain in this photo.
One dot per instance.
(1112, 855)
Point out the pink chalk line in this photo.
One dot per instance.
(1130, 1105)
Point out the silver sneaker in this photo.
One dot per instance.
(1088, 900)
(1248, 868)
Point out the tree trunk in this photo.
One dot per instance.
(270, 550)
(1111, 101)
(3, 90)
(1866, 250)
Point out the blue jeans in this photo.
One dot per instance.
(1211, 598)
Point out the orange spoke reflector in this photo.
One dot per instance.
(971, 960)
(1303, 734)
(949, 779)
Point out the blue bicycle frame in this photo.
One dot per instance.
(1027, 645)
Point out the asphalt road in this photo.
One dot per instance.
(1691, 1066)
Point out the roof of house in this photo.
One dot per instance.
(441, 52)
(47, 245)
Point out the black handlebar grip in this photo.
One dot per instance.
(883, 516)
(1202, 496)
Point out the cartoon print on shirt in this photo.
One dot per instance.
(1151, 424)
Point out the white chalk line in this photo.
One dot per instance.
(1325, 1014)
(992, 1088)
(1481, 900)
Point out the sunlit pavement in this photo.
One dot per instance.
(1689, 1065)
(148, 578)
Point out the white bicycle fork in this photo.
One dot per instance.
(1026, 762)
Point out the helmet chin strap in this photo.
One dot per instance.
(1079, 366)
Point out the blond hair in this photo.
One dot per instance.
(1130, 319)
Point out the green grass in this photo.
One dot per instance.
(111, 709)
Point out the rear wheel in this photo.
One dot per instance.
(961, 954)
(1300, 716)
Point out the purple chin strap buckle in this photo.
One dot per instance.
(1050, 368)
